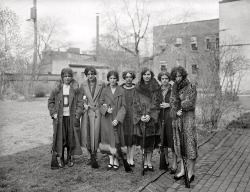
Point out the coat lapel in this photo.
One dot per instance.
(118, 92)
(97, 89)
(71, 95)
(86, 88)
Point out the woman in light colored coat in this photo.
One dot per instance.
(91, 91)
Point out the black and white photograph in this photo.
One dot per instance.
(124, 95)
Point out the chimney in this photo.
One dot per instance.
(97, 37)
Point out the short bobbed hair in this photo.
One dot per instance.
(130, 72)
(90, 69)
(180, 70)
(162, 73)
(144, 70)
(113, 72)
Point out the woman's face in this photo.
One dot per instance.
(178, 77)
(164, 79)
(147, 76)
(67, 79)
(128, 79)
(112, 80)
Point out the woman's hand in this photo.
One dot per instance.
(110, 110)
(114, 123)
(55, 116)
(179, 113)
(145, 118)
(164, 105)
(86, 106)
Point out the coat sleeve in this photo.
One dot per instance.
(103, 108)
(154, 108)
(137, 108)
(122, 111)
(52, 104)
(189, 102)
(79, 103)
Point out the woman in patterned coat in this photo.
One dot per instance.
(183, 101)
(147, 93)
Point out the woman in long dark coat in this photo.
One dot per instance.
(147, 94)
(183, 102)
(113, 110)
(168, 141)
(128, 125)
(65, 107)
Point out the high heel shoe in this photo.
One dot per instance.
(172, 170)
(178, 177)
(191, 178)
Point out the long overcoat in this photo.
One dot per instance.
(55, 106)
(183, 97)
(117, 102)
(93, 113)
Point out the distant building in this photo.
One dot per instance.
(189, 41)
(235, 24)
(55, 61)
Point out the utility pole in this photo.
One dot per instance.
(33, 16)
(97, 36)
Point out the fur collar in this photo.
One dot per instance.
(183, 84)
(73, 84)
(149, 89)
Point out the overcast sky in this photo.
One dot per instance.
(79, 16)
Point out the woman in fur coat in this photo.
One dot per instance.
(183, 101)
(147, 93)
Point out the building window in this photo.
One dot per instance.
(208, 43)
(195, 69)
(163, 67)
(194, 46)
(178, 42)
(217, 43)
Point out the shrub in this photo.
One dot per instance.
(40, 91)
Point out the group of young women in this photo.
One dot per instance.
(122, 114)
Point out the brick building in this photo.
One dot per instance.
(188, 42)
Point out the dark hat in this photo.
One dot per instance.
(68, 71)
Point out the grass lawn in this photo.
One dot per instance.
(25, 140)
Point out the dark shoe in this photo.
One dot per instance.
(115, 167)
(191, 178)
(132, 165)
(145, 168)
(172, 170)
(70, 161)
(178, 177)
(109, 167)
(61, 163)
(151, 168)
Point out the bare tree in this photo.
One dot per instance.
(9, 43)
(220, 74)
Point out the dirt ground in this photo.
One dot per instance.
(25, 140)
